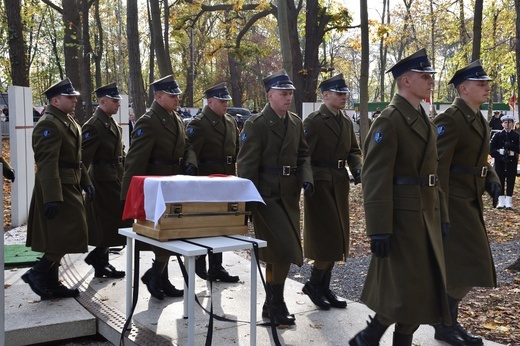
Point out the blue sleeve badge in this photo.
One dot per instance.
(378, 137)
(46, 133)
(139, 132)
(243, 136)
(191, 131)
(305, 131)
(87, 135)
(441, 130)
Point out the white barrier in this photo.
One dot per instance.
(122, 119)
(22, 155)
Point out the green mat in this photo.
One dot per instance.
(19, 255)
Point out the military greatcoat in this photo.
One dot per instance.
(267, 144)
(408, 286)
(332, 142)
(159, 146)
(214, 140)
(103, 156)
(463, 141)
(56, 142)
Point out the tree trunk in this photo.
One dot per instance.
(135, 76)
(17, 47)
(517, 51)
(163, 62)
(72, 32)
(477, 30)
(383, 49)
(98, 53)
(363, 88)
(283, 32)
(86, 75)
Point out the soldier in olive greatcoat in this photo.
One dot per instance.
(213, 135)
(159, 147)
(57, 223)
(464, 174)
(103, 156)
(333, 146)
(406, 282)
(275, 157)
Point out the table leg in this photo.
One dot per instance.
(252, 339)
(129, 274)
(190, 260)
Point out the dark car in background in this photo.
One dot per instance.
(240, 115)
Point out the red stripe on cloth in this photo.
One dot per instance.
(134, 205)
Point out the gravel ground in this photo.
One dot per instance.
(348, 278)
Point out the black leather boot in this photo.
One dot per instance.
(275, 308)
(448, 334)
(98, 258)
(315, 290)
(36, 277)
(200, 267)
(469, 339)
(116, 274)
(167, 286)
(152, 280)
(217, 271)
(369, 336)
(332, 298)
(402, 339)
(55, 286)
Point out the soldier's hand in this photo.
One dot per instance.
(357, 177)
(10, 175)
(493, 189)
(308, 189)
(380, 245)
(190, 169)
(51, 209)
(445, 229)
(90, 192)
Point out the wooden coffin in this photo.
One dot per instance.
(195, 219)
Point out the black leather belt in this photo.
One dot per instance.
(118, 161)
(336, 164)
(284, 170)
(228, 160)
(479, 171)
(430, 180)
(178, 162)
(73, 165)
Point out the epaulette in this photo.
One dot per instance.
(253, 117)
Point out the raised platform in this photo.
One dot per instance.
(101, 305)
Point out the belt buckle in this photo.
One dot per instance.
(483, 172)
(341, 164)
(432, 180)
(120, 160)
(286, 170)
(181, 160)
(80, 165)
(229, 160)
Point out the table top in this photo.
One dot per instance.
(190, 247)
